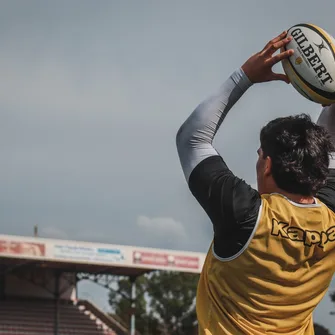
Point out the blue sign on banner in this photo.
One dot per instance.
(73, 252)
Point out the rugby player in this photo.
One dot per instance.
(272, 256)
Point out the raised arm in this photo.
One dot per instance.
(327, 193)
(209, 179)
(195, 136)
(231, 204)
(327, 120)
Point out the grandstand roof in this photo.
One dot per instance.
(94, 258)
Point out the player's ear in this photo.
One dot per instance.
(268, 166)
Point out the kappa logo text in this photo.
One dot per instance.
(307, 237)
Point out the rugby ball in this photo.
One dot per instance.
(311, 69)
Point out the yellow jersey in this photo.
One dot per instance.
(272, 285)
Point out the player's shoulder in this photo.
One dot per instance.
(326, 209)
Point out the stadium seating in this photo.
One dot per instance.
(37, 317)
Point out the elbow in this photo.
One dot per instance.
(180, 137)
(193, 132)
(186, 131)
(179, 134)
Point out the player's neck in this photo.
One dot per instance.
(269, 186)
(297, 198)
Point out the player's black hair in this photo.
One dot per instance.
(299, 150)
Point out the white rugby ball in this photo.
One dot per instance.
(311, 69)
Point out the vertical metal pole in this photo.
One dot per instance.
(76, 287)
(56, 316)
(35, 231)
(57, 277)
(2, 282)
(133, 306)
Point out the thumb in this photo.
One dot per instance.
(281, 77)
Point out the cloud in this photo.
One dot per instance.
(161, 227)
(88, 234)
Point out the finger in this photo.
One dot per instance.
(277, 58)
(272, 48)
(281, 77)
(279, 37)
(276, 39)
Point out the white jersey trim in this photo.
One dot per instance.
(316, 204)
(228, 259)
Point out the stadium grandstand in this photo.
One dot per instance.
(39, 277)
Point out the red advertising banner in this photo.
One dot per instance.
(22, 248)
(169, 260)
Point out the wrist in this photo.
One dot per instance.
(247, 72)
(241, 79)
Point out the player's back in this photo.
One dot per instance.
(276, 280)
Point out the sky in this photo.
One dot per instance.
(92, 94)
